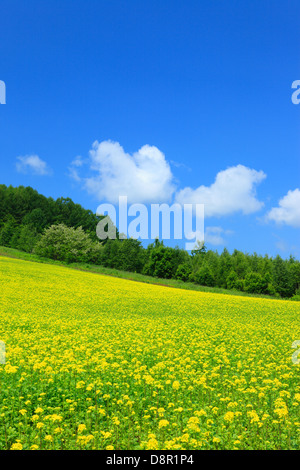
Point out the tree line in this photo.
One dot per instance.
(62, 230)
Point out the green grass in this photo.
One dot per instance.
(13, 253)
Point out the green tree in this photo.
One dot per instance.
(233, 281)
(183, 272)
(225, 266)
(254, 283)
(200, 249)
(8, 230)
(36, 218)
(27, 238)
(204, 277)
(282, 279)
(68, 244)
(130, 255)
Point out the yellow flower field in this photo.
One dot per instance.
(96, 362)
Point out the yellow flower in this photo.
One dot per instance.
(140, 356)
(39, 410)
(254, 416)
(193, 420)
(16, 446)
(55, 418)
(176, 385)
(163, 423)
(80, 384)
(10, 370)
(280, 408)
(152, 444)
(81, 427)
(229, 416)
(281, 412)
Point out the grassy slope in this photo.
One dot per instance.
(12, 253)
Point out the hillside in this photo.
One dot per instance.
(96, 362)
(64, 231)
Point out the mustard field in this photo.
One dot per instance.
(96, 362)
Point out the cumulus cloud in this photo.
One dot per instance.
(78, 161)
(288, 210)
(73, 173)
(144, 176)
(32, 164)
(215, 235)
(234, 190)
(74, 168)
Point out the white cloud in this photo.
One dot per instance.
(180, 165)
(214, 235)
(234, 190)
(144, 177)
(73, 173)
(288, 211)
(32, 164)
(78, 161)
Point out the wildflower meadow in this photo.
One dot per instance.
(96, 362)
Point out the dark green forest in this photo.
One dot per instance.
(62, 230)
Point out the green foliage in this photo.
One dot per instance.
(183, 272)
(27, 207)
(205, 277)
(68, 244)
(255, 283)
(36, 218)
(125, 255)
(296, 296)
(63, 230)
(283, 281)
(162, 261)
(8, 231)
(233, 281)
(199, 250)
(225, 266)
(294, 272)
(270, 290)
(26, 238)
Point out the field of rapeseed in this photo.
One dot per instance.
(96, 362)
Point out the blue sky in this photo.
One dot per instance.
(186, 101)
